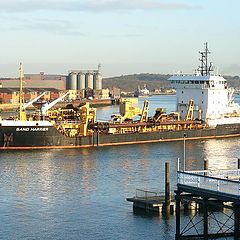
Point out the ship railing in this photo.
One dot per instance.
(69, 122)
(221, 181)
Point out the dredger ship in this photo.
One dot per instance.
(204, 109)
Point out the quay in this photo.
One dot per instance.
(217, 193)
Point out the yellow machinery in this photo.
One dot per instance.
(144, 116)
(159, 114)
(63, 114)
(189, 115)
(77, 121)
(127, 111)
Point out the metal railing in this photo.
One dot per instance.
(217, 181)
(146, 194)
(220, 173)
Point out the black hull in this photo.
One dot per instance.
(31, 138)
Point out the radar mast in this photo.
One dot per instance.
(205, 68)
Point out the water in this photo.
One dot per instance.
(81, 193)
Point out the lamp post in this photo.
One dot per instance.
(184, 151)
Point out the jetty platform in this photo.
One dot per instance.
(217, 193)
(151, 201)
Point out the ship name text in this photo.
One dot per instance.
(32, 129)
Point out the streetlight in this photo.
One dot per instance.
(184, 151)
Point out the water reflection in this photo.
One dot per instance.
(222, 154)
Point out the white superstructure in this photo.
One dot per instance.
(213, 100)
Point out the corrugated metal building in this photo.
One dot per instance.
(36, 81)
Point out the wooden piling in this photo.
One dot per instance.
(205, 164)
(167, 188)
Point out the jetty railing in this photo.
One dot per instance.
(146, 194)
(224, 181)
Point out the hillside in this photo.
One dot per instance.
(131, 82)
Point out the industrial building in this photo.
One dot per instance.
(11, 95)
(36, 81)
(88, 80)
(80, 84)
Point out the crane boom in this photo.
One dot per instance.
(32, 101)
(47, 106)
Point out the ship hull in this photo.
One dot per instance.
(12, 137)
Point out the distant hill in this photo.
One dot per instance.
(152, 81)
(131, 82)
(233, 81)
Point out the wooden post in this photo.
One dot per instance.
(97, 137)
(167, 187)
(238, 163)
(205, 167)
(205, 164)
(178, 218)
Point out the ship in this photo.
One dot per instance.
(205, 109)
(144, 92)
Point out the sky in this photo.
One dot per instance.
(125, 36)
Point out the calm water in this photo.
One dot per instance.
(80, 193)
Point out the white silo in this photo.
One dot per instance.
(89, 80)
(81, 84)
(72, 81)
(97, 80)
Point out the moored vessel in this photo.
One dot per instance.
(205, 109)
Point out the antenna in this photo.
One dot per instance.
(99, 67)
(204, 68)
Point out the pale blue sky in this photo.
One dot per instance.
(125, 36)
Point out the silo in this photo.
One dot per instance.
(72, 81)
(81, 81)
(89, 80)
(97, 80)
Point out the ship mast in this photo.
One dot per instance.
(22, 114)
(204, 68)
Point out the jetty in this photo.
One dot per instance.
(155, 201)
(217, 195)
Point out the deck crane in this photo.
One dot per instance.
(32, 101)
(144, 116)
(190, 109)
(47, 106)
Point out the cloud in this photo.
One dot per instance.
(91, 5)
(55, 26)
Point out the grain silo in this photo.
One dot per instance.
(97, 80)
(81, 84)
(89, 80)
(72, 81)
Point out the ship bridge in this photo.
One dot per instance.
(209, 92)
(198, 81)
